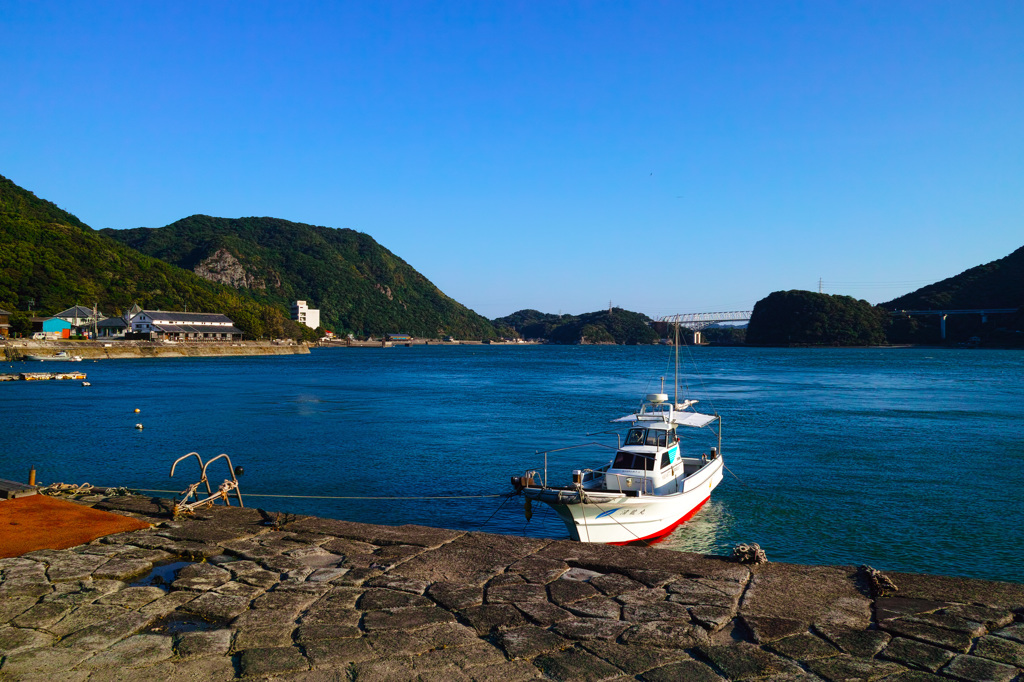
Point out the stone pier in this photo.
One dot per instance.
(241, 593)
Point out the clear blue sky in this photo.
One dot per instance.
(669, 157)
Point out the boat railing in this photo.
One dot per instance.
(569, 447)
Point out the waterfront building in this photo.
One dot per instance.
(5, 327)
(112, 328)
(168, 325)
(306, 315)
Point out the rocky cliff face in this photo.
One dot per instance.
(222, 267)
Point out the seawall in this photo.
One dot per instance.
(99, 350)
(259, 595)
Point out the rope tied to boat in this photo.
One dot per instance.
(881, 585)
(749, 554)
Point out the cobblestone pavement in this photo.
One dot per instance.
(263, 596)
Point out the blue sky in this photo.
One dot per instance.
(668, 157)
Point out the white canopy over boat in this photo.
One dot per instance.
(694, 419)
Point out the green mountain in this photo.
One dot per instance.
(604, 326)
(806, 318)
(51, 260)
(357, 284)
(999, 284)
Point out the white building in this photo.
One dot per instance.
(306, 315)
(177, 326)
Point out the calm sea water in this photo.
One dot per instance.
(909, 459)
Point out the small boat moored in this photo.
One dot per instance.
(59, 356)
(658, 478)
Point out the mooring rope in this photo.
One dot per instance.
(348, 497)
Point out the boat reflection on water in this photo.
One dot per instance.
(704, 533)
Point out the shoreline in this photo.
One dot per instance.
(15, 351)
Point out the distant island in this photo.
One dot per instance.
(254, 269)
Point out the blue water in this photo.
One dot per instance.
(908, 459)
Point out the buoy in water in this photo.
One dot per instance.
(86, 383)
(138, 426)
(136, 409)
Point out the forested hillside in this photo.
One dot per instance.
(616, 326)
(51, 260)
(806, 318)
(999, 284)
(358, 285)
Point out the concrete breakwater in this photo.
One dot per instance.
(96, 350)
(258, 595)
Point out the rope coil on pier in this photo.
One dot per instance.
(881, 585)
(749, 554)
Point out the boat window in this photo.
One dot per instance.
(664, 460)
(635, 437)
(629, 460)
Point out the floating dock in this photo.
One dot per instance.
(43, 376)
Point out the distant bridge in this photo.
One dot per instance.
(699, 321)
(984, 312)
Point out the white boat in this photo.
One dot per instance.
(59, 356)
(657, 480)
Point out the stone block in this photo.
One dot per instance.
(41, 616)
(993, 594)
(216, 607)
(845, 668)
(203, 643)
(421, 536)
(455, 597)
(861, 643)
(1014, 632)
(133, 597)
(916, 654)
(272, 660)
(632, 659)
(471, 559)
(405, 619)
(667, 635)
(528, 641)
(539, 570)
(1000, 649)
(544, 613)
(576, 664)
(106, 633)
(745, 661)
(768, 629)
(516, 593)
(663, 610)
(712, 618)
(135, 651)
(82, 617)
(339, 652)
(614, 584)
(585, 629)
(490, 617)
(810, 594)
(690, 671)
(975, 669)
(257, 638)
(13, 640)
(380, 599)
(12, 607)
(567, 591)
(804, 647)
(931, 634)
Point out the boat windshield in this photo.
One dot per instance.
(653, 437)
(630, 460)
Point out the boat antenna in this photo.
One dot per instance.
(676, 401)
